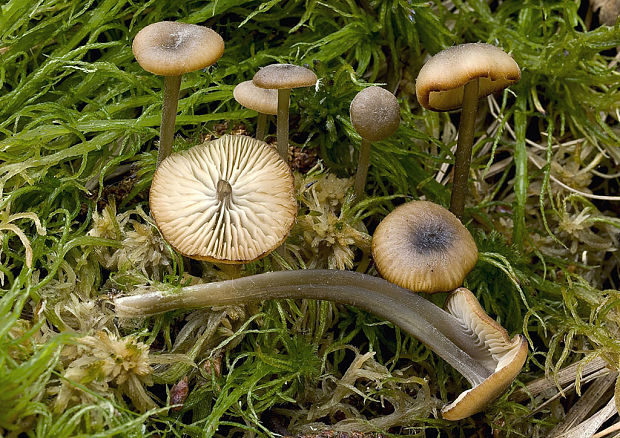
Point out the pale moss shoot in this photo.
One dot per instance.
(105, 364)
(142, 248)
(329, 233)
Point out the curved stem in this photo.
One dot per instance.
(172, 85)
(464, 146)
(261, 124)
(438, 329)
(283, 104)
(362, 170)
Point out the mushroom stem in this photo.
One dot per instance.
(463, 148)
(442, 332)
(283, 104)
(362, 169)
(261, 125)
(172, 85)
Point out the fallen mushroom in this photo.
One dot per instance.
(171, 49)
(262, 100)
(423, 247)
(456, 78)
(283, 77)
(229, 200)
(464, 336)
(375, 115)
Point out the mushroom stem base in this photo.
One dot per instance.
(172, 85)
(464, 146)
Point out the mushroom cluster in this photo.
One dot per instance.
(232, 200)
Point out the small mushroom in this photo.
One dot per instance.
(283, 77)
(464, 336)
(262, 100)
(170, 49)
(231, 200)
(456, 78)
(375, 115)
(423, 247)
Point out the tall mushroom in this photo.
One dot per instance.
(375, 115)
(171, 49)
(456, 78)
(423, 247)
(283, 77)
(262, 100)
(231, 200)
(464, 336)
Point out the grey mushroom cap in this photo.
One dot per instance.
(231, 200)
(423, 247)
(440, 83)
(375, 113)
(284, 76)
(169, 48)
(501, 357)
(255, 98)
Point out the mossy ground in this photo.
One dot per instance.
(78, 128)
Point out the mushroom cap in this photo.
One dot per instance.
(375, 113)
(439, 86)
(284, 76)
(230, 200)
(255, 98)
(423, 247)
(502, 356)
(168, 48)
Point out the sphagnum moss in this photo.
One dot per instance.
(74, 107)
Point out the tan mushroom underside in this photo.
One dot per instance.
(168, 48)
(204, 218)
(255, 98)
(423, 247)
(500, 354)
(440, 83)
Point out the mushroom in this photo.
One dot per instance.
(283, 77)
(375, 115)
(423, 247)
(456, 78)
(464, 336)
(262, 100)
(170, 49)
(231, 200)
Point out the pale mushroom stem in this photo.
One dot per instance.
(283, 104)
(362, 170)
(172, 85)
(438, 329)
(464, 146)
(261, 126)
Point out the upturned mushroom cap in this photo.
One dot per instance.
(168, 48)
(284, 76)
(375, 113)
(423, 247)
(255, 98)
(501, 356)
(230, 200)
(439, 86)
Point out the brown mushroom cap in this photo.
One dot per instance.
(230, 200)
(375, 113)
(439, 86)
(168, 48)
(502, 356)
(423, 247)
(284, 76)
(255, 98)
